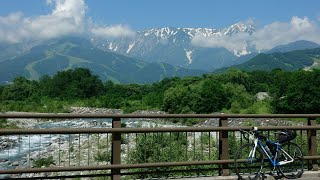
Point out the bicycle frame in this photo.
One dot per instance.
(273, 160)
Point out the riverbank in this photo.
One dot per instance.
(25, 123)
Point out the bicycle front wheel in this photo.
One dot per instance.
(291, 170)
(247, 167)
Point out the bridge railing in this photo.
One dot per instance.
(120, 151)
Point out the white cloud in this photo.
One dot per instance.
(9, 27)
(68, 17)
(267, 37)
(279, 33)
(111, 32)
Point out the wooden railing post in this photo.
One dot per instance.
(312, 145)
(223, 147)
(116, 149)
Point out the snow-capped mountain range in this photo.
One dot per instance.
(169, 45)
(174, 46)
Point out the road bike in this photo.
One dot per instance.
(283, 157)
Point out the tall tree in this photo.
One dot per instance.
(302, 94)
(20, 89)
(213, 97)
(73, 83)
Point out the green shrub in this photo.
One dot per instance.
(102, 157)
(4, 124)
(46, 162)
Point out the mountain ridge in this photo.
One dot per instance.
(289, 61)
(174, 46)
(68, 53)
(293, 46)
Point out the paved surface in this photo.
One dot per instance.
(307, 175)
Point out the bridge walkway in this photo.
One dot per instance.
(307, 175)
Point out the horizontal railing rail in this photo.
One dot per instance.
(146, 130)
(67, 115)
(117, 132)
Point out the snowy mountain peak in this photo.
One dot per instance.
(166, 32)
(239, 27)
(160, 32)
(169, 31)
(174, 46)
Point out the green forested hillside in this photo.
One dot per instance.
(293, 46)
(288, 61)
(231, 92)
(68, 53)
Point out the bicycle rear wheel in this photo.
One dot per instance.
(294, 169)
(247, 168)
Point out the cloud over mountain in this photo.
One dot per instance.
(279, 33)
(111, 32)
(267, 37)
(67, 17)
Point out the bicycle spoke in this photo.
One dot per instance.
(291, 169)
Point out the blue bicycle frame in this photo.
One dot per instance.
(273, 160)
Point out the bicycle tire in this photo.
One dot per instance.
(295, 169)
(242, 169)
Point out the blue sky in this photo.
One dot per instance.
(276, 21)
(143, 14)
(200, 13)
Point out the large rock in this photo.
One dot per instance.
(262, 96)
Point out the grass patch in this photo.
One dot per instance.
(4, 124)
(102, 157)
(43, 162)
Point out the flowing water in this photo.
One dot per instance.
(28, 146)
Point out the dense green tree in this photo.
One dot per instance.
(1, 89)
(236, 76)
(259, 81)
(237, 97)
(175, 99)
(20, 89)
(73, 83)
(302, 94)
(213, 97)
(280, 82)
(231, 92)
(153, 100)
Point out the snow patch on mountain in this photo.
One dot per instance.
(188, 54)
(130, 47)
(241, 52)
(172, 45)
(110, 46)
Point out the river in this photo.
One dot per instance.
(28, 147)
